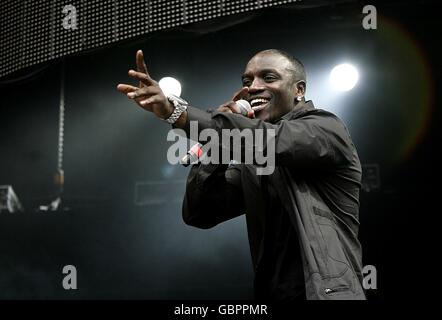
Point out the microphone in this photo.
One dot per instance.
(245, 108)
(196, 152)
(193, 155)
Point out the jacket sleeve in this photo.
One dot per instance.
(211, 196)
(317, 139)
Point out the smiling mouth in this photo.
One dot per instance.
(259, 103)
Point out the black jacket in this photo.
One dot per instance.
(317, 178)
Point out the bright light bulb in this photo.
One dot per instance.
(344, 77)
(170, 85)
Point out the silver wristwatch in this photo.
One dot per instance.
(180, 106)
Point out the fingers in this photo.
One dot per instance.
(141, 65)
(142, 77)
(225, 109)
(134, 92)
(144, 92)
(140, 95)
(148, 95)
(241, 94)
(234, 107)
(150, 101)
(126, 88)
(229, 107)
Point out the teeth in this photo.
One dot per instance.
(258, 101)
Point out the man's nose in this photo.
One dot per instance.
(256, 85)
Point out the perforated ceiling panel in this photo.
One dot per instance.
(33, 31)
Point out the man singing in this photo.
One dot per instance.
(303, 218)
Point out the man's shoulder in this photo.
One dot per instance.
(319, 112)
(327, 121)
(319, 115)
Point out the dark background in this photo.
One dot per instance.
(129, 251)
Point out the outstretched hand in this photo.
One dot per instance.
(148, 95)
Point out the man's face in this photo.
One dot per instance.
(272, 91)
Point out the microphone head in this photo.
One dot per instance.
(245, 108)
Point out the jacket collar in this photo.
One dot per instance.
(297, 111)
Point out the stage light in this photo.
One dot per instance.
(344, 77)
(170, 85)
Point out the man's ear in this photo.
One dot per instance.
(300, 87)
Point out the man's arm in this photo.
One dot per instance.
(311, 141)
(149, 96)
(212, 196)
(318, 139)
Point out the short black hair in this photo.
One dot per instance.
(298, 68)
